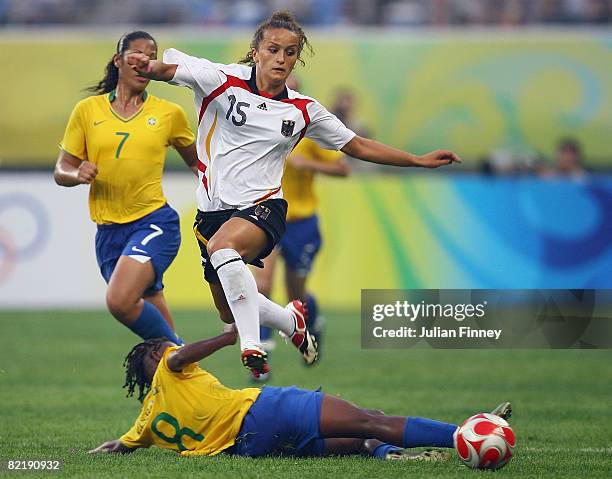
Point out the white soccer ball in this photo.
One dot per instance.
(485, 441)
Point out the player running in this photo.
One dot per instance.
(186, 409)
(302, 239)
(116, 142)
(248, 122)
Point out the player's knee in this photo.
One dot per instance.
(222, 243)
(219, 243)
(118, 306)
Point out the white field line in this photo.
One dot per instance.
(598, 450)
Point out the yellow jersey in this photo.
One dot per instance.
(298, 185)
(129, 153)
(190, 412)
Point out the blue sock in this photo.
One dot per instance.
(381, 451)
(313, 310)
(265, 333)
(420, 431)
(151, 324)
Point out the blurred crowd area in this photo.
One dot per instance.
(567, 160)
(325, 13)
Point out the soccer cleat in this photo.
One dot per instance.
(317, 327)
(301, 337)
(504, 410)
(256, 361)
(428, 455)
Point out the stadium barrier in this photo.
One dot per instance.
(414, 231)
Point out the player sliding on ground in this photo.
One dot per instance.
(188, 410)
(248, 122)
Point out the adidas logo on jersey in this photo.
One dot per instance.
(263, 106)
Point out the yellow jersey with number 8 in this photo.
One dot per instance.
(129, 153)
(190, 412)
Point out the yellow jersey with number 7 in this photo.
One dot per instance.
(129, 153)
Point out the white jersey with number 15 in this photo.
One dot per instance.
(244, 136)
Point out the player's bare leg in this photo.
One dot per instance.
(295, 284)
(264, 277)
(124, 299)
(126, 288)
(342, 419)
(225, 313)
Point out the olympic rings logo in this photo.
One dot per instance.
(24, 227)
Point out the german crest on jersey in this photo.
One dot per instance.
(287, 128)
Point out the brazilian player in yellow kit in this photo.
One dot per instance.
(302, 239)
(116, 142)
(186, 409)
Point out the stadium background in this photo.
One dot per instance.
(519, 93)
(499, 87)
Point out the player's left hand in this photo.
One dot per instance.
(438, 158)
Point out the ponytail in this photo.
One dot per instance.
(109, 82)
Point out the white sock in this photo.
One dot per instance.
(241, 292)
(275, 316)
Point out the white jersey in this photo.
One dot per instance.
(244, 137)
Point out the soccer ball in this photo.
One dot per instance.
(485, 441)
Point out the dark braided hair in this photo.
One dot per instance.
(135, 368)
(283, 20)
(111, 73)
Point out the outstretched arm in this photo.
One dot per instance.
(337, 168)
(376, 152)
(110, 447)
(153, 69)
(194, 352)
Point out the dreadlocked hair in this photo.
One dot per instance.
(135, 368)
(286, 21)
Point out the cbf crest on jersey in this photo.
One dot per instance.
(287, 128)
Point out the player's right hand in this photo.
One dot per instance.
(87, 172)
(139, 62)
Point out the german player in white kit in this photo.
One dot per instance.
(248, 123)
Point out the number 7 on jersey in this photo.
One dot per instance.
(122, 142)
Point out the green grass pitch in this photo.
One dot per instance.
(60, 395)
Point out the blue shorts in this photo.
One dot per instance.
(300, 244)
(282, 421)
(155, 237)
